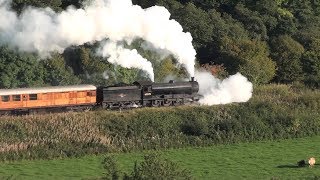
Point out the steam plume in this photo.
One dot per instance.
(236, 88)
(42, 30)
(126, 57)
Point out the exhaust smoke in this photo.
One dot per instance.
(126, 58)
(235, 88)
(43, 31)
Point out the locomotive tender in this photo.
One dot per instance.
(85, 97)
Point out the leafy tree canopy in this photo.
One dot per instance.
(260, 38)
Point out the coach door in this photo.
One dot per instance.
(24, 98)
(90, 96)
(73, 97)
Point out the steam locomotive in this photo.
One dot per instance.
(86, 97)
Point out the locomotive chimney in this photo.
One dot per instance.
(192, 79)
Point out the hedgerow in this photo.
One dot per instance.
(275, 112)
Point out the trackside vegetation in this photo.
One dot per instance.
(275, 112)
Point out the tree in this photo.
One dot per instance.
(19, 69)
(269, 13)
(165, 68)
(145, 3)
(118, 74)
(75, 3)
(58, 73)
(311, 64)
(287, 53)
(286, 26)
(252, 22)
(197, 22)
(251, 58)
(19, 5)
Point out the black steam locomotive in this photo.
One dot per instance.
(148, 94)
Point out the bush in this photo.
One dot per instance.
(111, 167)
(155, 167)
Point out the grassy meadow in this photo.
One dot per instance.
(261, 160)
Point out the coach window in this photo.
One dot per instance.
(16, 98)
(33, 97)
(91, 93)
(81, 93)
(5, 98)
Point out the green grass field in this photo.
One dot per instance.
(263, 160)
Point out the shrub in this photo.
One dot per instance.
(155, 167)
(111, 167)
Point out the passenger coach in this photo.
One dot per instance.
(26, 100)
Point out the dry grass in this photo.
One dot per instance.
(20, 133)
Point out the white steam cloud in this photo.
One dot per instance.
(126, 57)
(43, 31)
(236, 88)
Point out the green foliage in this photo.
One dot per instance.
(251, 58)
(311, 64)
(90, 63)
(58, 73)
(154, 167)
(197, 22)
(111, 167)
(252, 22)
(287, 53)
(164, 66)
(88, 66)
(75, 3)
(19, 5)
(20, 70)
(119, 74)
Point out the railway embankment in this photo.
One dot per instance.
(275, 112)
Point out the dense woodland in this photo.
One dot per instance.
(266, 40)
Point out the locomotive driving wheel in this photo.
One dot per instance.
(177, 102)
(156, 103)
(167, 103)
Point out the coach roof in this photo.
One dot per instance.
(51, 89)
